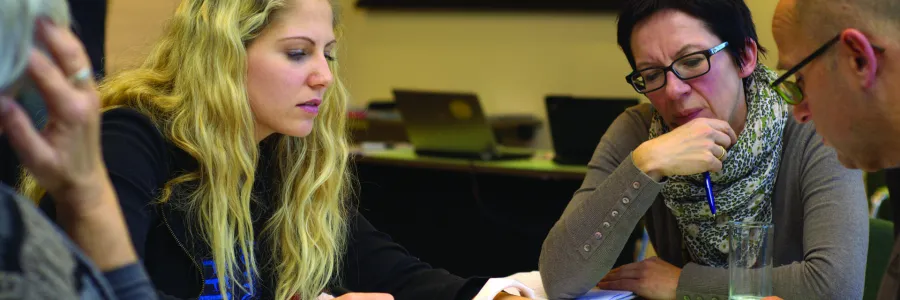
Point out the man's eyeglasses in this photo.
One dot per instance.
(789, 91)
(687, 67)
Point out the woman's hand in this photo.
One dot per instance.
(365, 296)
(65, 158)
(652, 278)
(692, 148)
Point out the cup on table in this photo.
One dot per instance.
(750, 260)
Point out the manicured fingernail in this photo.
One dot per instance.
(44, 21)
(44, 26)
(5, 105)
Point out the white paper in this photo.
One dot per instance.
(533, 281)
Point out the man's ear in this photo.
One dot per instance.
(749, 58)
(858, 53)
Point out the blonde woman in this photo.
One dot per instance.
(227, 149)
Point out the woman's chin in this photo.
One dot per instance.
(301, 129)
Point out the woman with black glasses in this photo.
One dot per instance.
(712, 110)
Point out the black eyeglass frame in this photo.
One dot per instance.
(783, 79)
(707, 53)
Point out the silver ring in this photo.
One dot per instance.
(81, 77)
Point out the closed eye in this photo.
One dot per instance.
(693, 62)
(300, 55)
(296, 55)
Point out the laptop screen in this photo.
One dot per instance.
(577, 124)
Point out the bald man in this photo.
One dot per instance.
(843, 71)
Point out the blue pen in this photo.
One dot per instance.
(709, 193)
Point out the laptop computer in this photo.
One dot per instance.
(577, 124)
(448, 124)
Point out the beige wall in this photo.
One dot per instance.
(132, 26)
(512, 60)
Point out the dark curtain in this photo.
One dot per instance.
(89, 23)
(892, 180)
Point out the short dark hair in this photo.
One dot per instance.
(730, 20)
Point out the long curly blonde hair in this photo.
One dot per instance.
(192, 85)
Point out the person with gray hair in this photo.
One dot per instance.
(88, 22)
(38, 261)
(843, 69)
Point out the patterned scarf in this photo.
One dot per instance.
(743, 188)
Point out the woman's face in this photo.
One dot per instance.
(719, 94)
(288, 71)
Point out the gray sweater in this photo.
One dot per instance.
(819, 210)
(38, 261)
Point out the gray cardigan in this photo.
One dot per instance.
(819, 210)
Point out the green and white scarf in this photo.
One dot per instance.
(743, 188)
